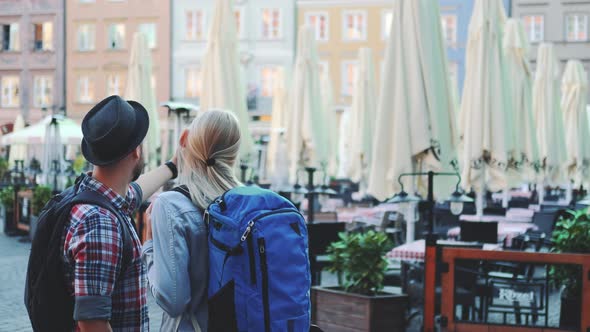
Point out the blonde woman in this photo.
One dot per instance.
(177, 256)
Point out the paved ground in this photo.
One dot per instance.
(13, 263)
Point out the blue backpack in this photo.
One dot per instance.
(259, 272)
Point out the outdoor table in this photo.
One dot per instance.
(514, 215)
(372, 215)
(506, 230)
(415, 251)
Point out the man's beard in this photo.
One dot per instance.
(138, 169)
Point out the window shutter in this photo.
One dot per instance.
(14, 39)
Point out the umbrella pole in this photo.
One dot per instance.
(505, 197)
(479, 198)
(568, 192)
(541, 192)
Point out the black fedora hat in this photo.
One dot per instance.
(113, 129)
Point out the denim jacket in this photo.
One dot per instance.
(177, 262)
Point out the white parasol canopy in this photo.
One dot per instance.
(485, 106)
(277, 163)
(574, 91)
(307, 138)
(331, 121)
(524, 134)
(548, 118)
(363, 112)
(17, 151)
(415, 127)
(222, 81)
(70, 133)
(140, 89)
(52, 163)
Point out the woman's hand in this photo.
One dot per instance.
(148, 222)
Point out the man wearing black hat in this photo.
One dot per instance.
(110, 290)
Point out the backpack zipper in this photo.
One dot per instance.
(252, 260)
(264, 270)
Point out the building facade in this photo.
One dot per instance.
(342, 27)
(566, 24)
(266, 36)
(31, 58)
(455, 18)
(100, 33)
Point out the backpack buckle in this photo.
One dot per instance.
(247, 231)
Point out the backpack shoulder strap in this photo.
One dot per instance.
(92, 197)
(184, 191)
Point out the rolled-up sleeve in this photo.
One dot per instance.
(95, 247)
(167, 258)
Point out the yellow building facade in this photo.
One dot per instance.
(342, 27)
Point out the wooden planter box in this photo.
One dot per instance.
(334, 310)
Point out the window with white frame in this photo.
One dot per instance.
(43, 36)
(449, 29)
(195, 24)
(10, 37)
(354, 25)
(576, 27)
(10, 86)
(272, 24)
(116, 36)
(85, 89)
(149, 30)
(386, 20)
(86, 37)
(42, 90)
(193, 83)
(320, 21)
(240, 20)
(114, 84)
(268, 79)
(349, 72)
(534, 27)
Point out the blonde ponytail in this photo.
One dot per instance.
(206, 162)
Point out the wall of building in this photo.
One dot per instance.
(336, 52)
(26, 63)
(554, 31)
(101, 62)
(255, 52)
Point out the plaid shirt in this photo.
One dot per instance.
(93, 253)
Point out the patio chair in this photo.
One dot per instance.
(444, 220)
(320, 236)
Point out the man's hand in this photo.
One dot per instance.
(94, 326)
(148, 222)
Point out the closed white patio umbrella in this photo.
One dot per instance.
(222, 81)
(485, 106)
(306, 134)
(524, 135)
(415, 129)
(140, 89)
(277, 164)
(52, 163)
(17, 151)
(574, 92)
(549, 118)
(363, 112)
(331, 121)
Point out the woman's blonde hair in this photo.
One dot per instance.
(206, 162)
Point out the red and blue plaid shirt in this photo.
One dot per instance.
(93, 253)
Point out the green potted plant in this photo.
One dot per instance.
(571, 235)
(359, 302)
(7, 200)
(41, 195)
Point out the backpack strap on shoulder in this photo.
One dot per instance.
(92, 197)
(183, 189)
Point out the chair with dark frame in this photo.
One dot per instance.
(479, 231)
(320, 236)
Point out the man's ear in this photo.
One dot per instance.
(137, 152)
(183, 138)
